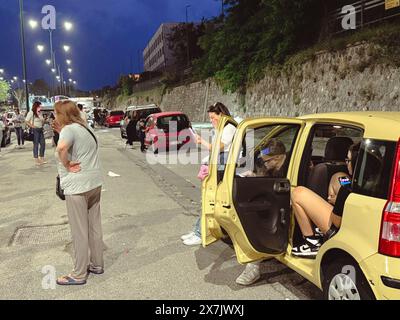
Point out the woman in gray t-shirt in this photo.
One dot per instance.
(80, 177)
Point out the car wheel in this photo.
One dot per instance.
(344, 280)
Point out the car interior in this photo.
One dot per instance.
(324, 155)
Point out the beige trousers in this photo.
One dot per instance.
(87, 235)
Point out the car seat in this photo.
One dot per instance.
(334, 161)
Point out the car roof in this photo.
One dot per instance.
(167, 114)
(383, 125)
(150, 106)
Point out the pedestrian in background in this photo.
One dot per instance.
(56, 135)
(19, 122)
(35, 120)
(82, 113)
(141, 131)
(2, 127)
(81, 180)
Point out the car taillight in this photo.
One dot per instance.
(389, 243)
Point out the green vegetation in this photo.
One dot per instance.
(4, 88)
(277, 37)
(254, 35)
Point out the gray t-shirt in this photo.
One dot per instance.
(84, 150)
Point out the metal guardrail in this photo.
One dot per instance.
(367, 13)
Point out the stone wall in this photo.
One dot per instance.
(349, 80)
(195, 98)
(343, 81)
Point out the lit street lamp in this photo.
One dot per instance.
(53, 70)
(66, 48)
(68, 62)
(69, 70)
(33, 23)
(68, 25)
(1, 71)
(40, 47)
(15, 78)
(48, 62)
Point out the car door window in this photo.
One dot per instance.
(254, 159)
(373, 168)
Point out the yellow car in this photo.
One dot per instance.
(361, 261)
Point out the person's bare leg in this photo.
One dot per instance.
(309, 206)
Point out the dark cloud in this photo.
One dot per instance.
(106, 39)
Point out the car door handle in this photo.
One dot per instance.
(255, 205)
(282, 187)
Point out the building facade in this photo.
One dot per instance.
(157, 55)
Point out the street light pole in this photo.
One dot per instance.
(21, 17)
(187, 36)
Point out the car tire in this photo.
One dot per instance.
(342, 273)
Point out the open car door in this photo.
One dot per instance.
(210, 228)
(253, 204)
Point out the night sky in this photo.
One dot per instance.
(107, 37)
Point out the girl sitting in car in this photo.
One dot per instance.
(310, 208)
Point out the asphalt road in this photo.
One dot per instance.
(145, 210)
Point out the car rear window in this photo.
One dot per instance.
(144, 113)
(173, 123)
(117, 113)
(374, 168)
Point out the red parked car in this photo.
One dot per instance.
(168, 130)
(114, 119)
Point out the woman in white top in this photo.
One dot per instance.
(215, 112)
(35, 120)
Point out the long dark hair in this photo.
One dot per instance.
(35, 106)
(219, 108)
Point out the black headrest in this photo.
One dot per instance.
(336, 148)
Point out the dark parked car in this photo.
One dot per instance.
(136, 113)
(6, 137)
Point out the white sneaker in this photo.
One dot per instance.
(187, 236)
(193, 241)
(249, 275)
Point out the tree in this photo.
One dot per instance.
(253, 35)
(19, 95)
(178, 40)
(40, 88)
(4, 89)
(126, 84)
